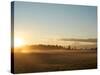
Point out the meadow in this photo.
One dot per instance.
(54, 60)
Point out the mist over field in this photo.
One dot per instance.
(53, 37)
(41, 58)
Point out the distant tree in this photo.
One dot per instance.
(69, 47)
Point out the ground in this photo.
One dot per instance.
(54, 61)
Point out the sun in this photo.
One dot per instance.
(18, 42)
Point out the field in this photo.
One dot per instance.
(43, 61)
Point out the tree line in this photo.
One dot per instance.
(54, 47)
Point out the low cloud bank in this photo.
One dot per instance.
(79, 40)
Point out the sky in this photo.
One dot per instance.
(36, 22)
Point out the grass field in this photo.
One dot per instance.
(44, 61)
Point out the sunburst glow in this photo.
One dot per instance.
(18, 42)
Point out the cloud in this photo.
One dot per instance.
(79, 40)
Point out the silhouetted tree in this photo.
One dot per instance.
(69, 47)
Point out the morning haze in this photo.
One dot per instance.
(53, 37)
